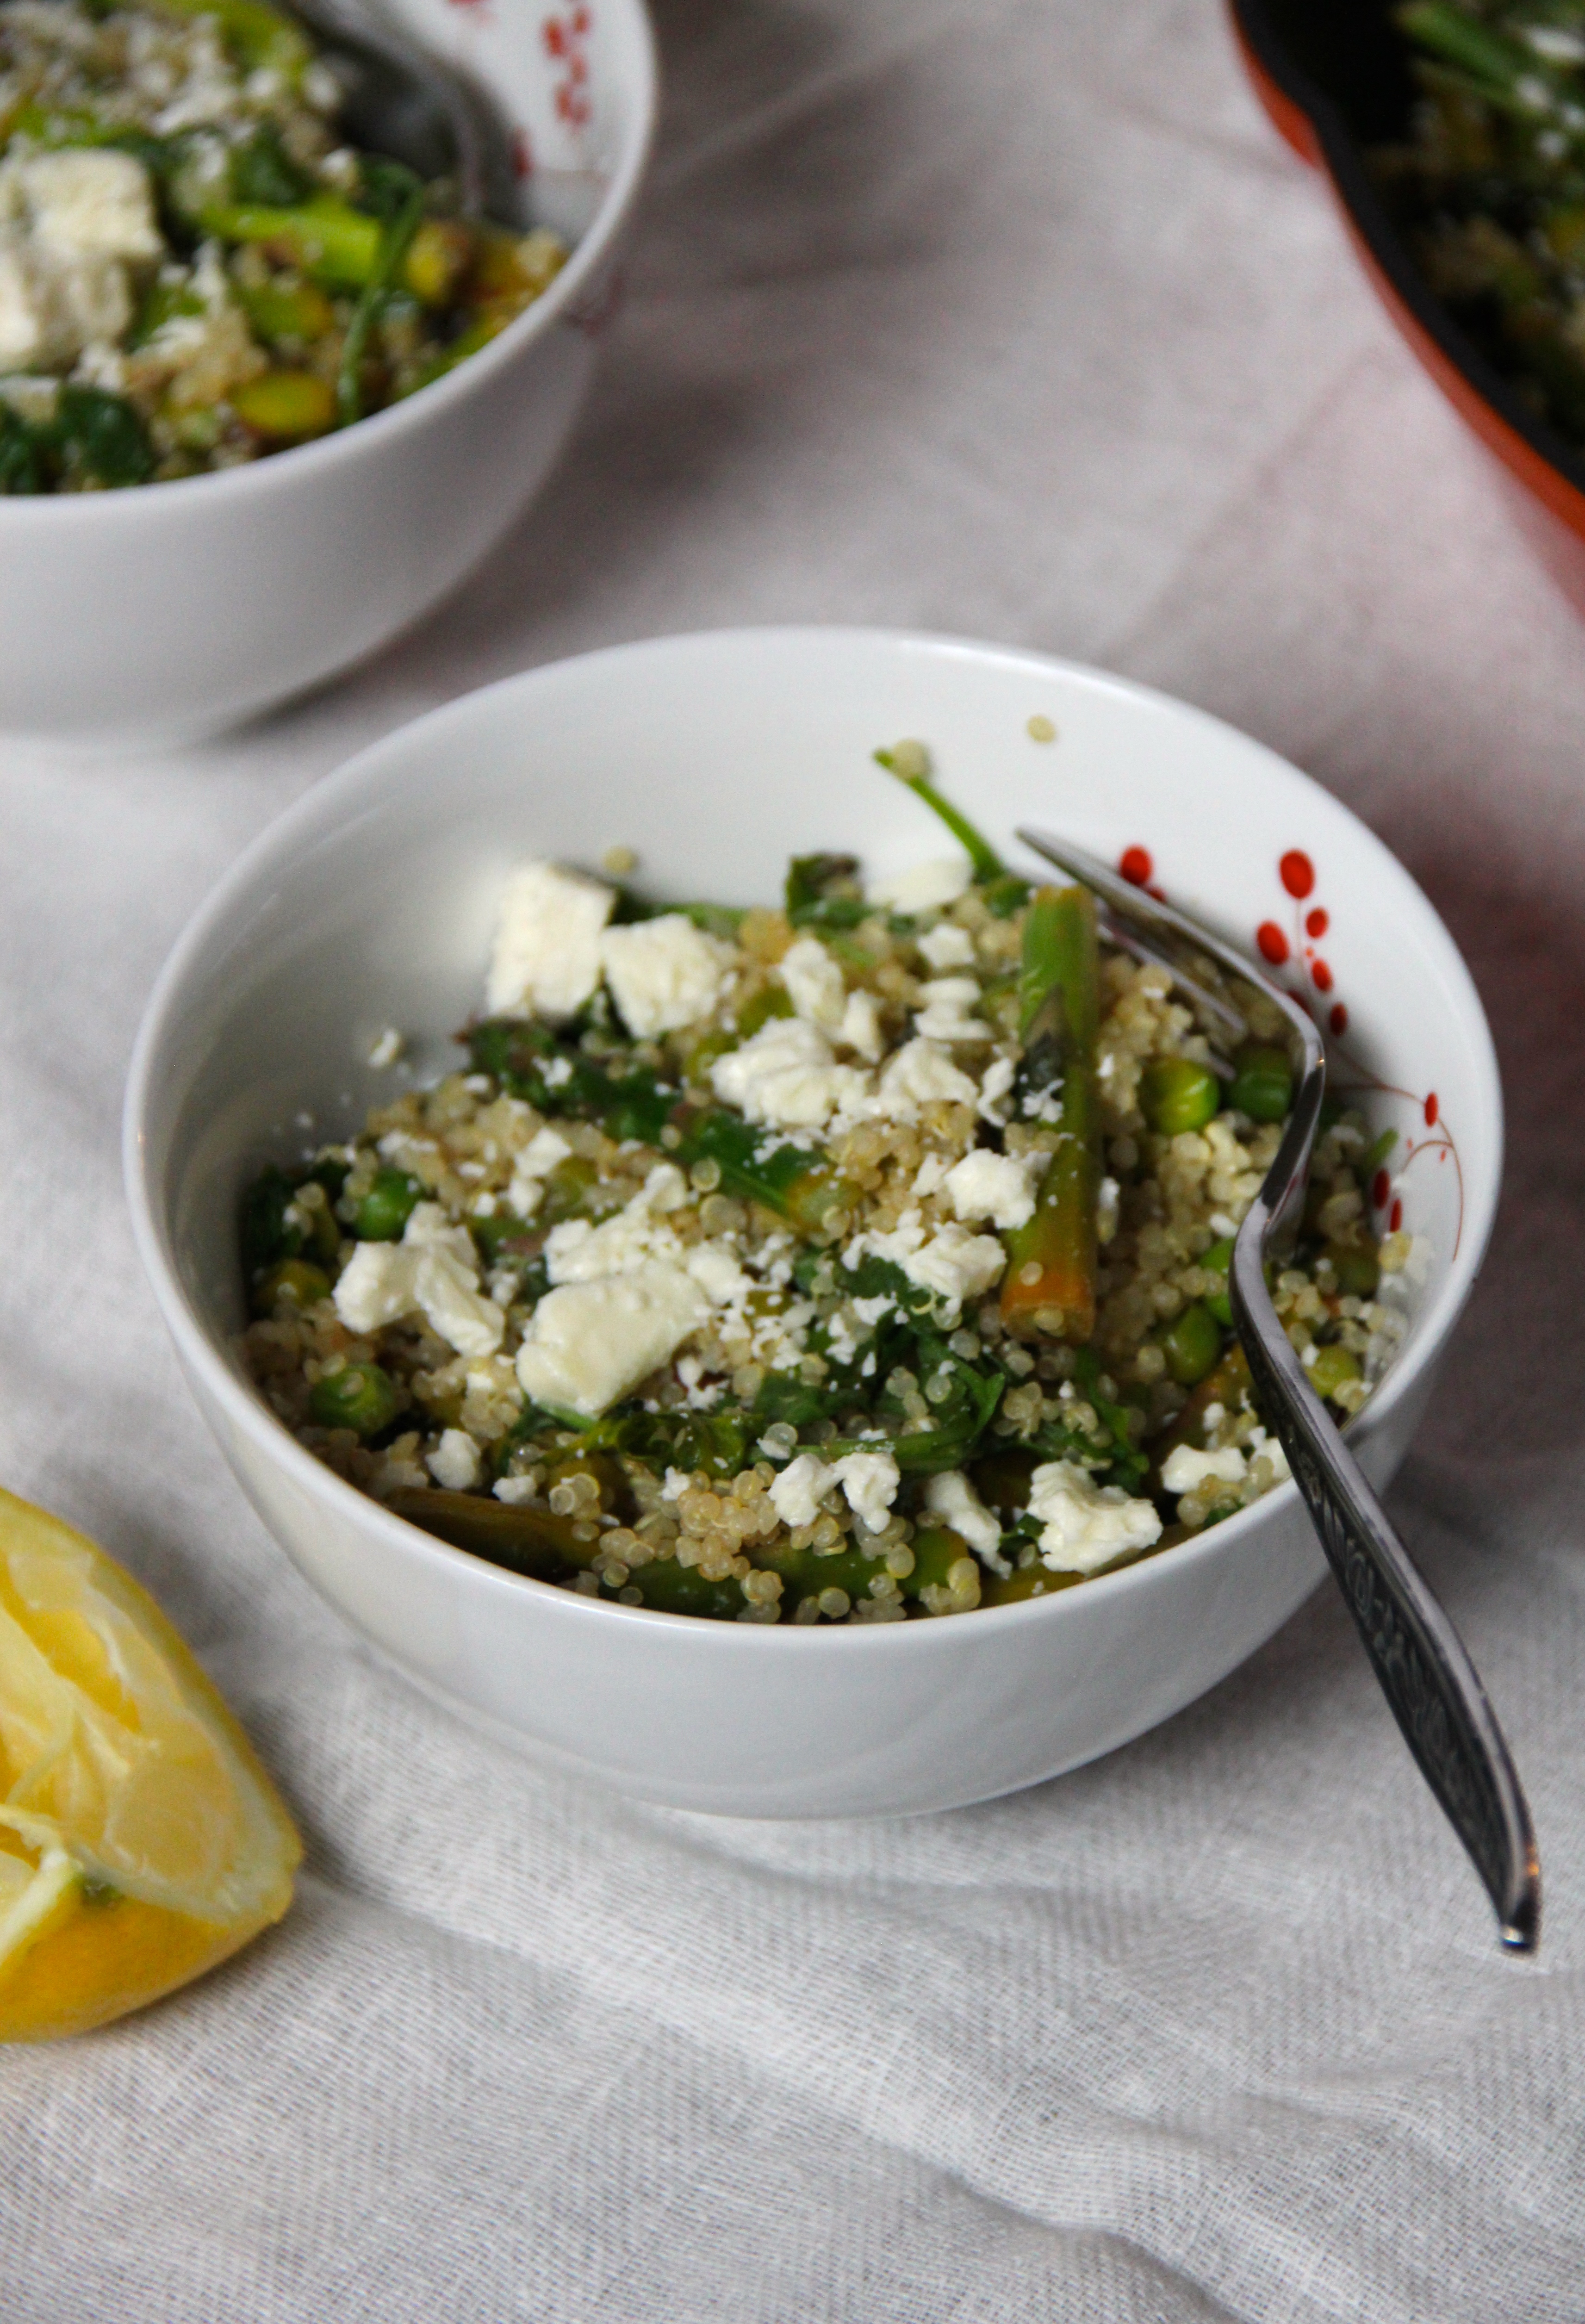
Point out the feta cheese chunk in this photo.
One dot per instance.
(951, 1264)
(589, 1344)
(921, 1074)
(999, 1187)
(860, 1028)
(953, 1499)
(925, 887)
(795, 1495)
(663, 973)
(71, 223)
(870, 1480)
(947, 946)
(1184, 1470)
(454, 1308)
(375, 1286)
(434, 1269)
(546, 958)
(948, 1015)
(455, 1462)
(91, 202)
(787, 1076)
(814, 982)
(542, 1154)
(1087, 1526)
(956, 1265)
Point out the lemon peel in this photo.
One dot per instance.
(141, 1840)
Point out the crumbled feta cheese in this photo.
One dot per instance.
(455, 1310)
(956, 1265)
(514, 1489)
(589, 1344)
(1268, 1448)
(433, 1269)
(953, 1499)
(542, 1154)
(717, 1274)
(678, 1483)
(387, 1050)
(795, 1495)
(870, 1480)
(455, 1462)
(925, 887)
(948, 1011)
(947, 946)
(428, 1228)
(814, 982)
(577, 1251)
(91, 202)
(995, 1083)
(921, 1074)
(375, 1286)
(69, 224)
(1087, 1526)
(663, 973)
(787, 1076)
(931, 1176)
(1184, 1470)
(999, 1187)
(951, 1263)
(861, 1026)
(545, 961)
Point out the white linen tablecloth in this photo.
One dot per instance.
(1010, 317)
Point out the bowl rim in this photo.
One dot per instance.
(322, 806)
(1313, 124)
(414, 412)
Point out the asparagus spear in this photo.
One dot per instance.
(1051, 1262)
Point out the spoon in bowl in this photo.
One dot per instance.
(1420, 1662)
(399, 100)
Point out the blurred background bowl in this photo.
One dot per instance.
(168, 611)
(1334, 77)
(371, 903)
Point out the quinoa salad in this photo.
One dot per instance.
(856, 1261)
(196, 268)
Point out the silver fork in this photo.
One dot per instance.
(1418, 1658)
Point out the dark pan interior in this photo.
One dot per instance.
(1342, 64)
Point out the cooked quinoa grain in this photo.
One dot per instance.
(849, 1262)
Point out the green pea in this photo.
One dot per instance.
(1176, 1095)
(1263, 1086)
(300, 1284)
(1191, 1344)
(1217, 1260)
(383, 1211)
(360, 1397)
(1356, 1266)
(1334, 1368)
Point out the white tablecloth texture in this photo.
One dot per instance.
(1010, 317)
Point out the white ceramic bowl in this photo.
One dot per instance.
(172, 610)
(371, 903)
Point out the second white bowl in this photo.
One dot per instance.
(172, 610)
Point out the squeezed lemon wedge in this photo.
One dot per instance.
(141, 1842)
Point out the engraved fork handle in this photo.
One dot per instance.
(1431, 1685)
(1421, 1665)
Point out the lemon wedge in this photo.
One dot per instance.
(141, 1842)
